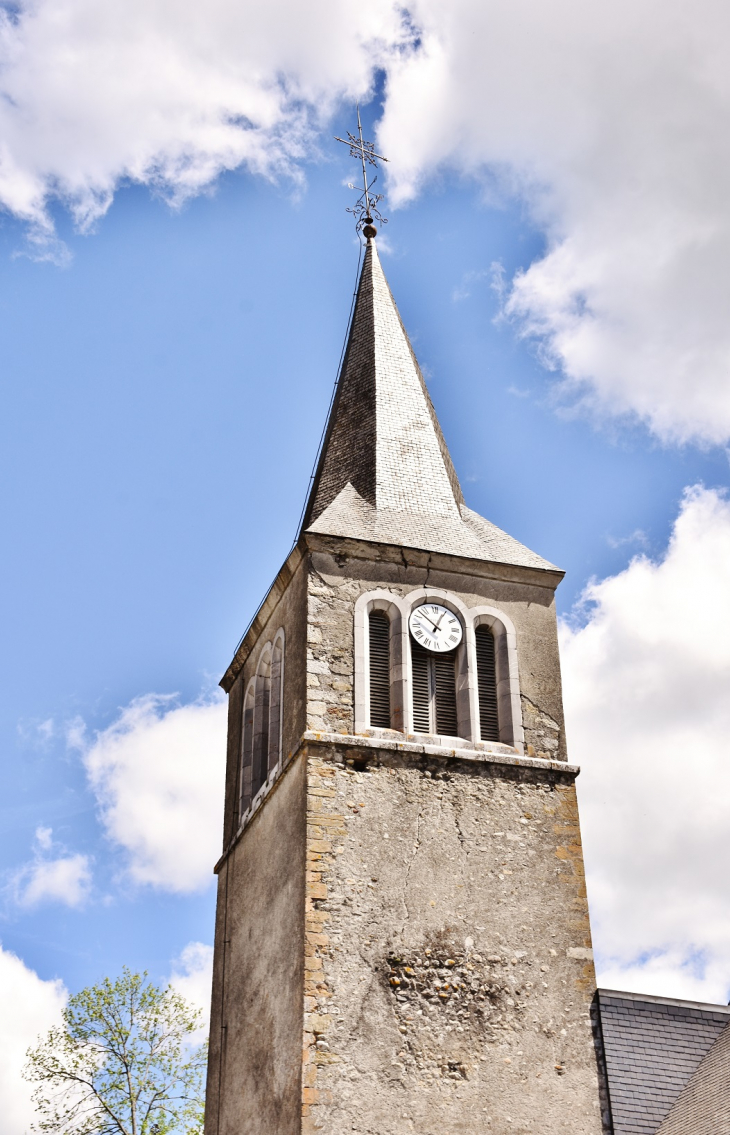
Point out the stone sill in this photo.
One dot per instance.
(386, 742)
(464, 751)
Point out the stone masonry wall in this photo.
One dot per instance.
(336, 582)
(448, 969)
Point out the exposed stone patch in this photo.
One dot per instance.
(414, 1023)
(439, 990)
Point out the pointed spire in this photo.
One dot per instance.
(384, 473)
(383, 437)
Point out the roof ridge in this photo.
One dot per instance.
(656, 1000)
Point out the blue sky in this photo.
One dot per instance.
(166, 376)
(164, 395)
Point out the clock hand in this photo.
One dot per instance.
(434, 625)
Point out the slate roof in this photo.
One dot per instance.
(654, 1047)
(385, 473)
(703, 1107)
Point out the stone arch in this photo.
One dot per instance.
(261, 732)
(398, 609)
(245, 787)
(391, 604)
(276, 701)
(509, 705)
(262, 720)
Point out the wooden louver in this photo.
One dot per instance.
(434, 691)
(420, 668)
(487, 681)
(261, 732)
(444, 674)
(379, 670)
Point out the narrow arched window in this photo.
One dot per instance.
(379, 630)
(247, 750)
(434, 691)
(487, 683)
(261, 724)
(275, 700)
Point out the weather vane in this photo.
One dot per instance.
(365, 210)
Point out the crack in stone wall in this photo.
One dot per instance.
(542, 732)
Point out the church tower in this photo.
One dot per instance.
(402, 938)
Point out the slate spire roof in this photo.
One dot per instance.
(385, 474)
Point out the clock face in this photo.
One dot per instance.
(435, 627)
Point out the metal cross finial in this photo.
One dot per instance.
(365, 209)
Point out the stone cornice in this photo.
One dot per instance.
(463, 751)
(358, 747)
(376, 553)
(432, 561)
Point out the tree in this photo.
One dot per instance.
(122, 1063)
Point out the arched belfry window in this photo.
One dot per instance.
(247, 747)
(487, 684)
(275, 702)
(261, 726)
(434, 691)
(379, 659)
(261, 722)
(464, 683)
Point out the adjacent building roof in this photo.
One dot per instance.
(703, 1107)
(666, 1064)
(385, 473)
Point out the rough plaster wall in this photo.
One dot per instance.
(336, 582)
(259, 974)
(449, 969)
(213, 1083)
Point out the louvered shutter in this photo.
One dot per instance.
(421, 666)
(434, 691)
(444, 684)
(247, 753)
(379, 670)
(261, 732)
(275, 707)
(487, 681)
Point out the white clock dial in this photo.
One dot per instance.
(435, 627)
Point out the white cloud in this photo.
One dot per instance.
(44, 838)
(610, 121)
(157, 772)
(65, 879)
(169, 92)
(192, 978)
(30, 1006)
(646, 691)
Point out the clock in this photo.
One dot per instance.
(435, 627)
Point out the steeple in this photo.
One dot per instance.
(393, 716)
(385, 473)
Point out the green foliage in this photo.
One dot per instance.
(121, 1063)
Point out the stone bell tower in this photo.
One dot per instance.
(402, 940)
